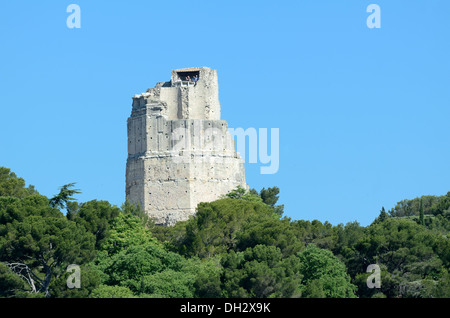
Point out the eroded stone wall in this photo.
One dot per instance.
(179, 151)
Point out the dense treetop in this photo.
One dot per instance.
(238, 246)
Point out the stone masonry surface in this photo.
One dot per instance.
(180, 152)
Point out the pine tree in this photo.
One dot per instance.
(383, 215)
(421, 216)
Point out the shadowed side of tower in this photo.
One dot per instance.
(180, 152)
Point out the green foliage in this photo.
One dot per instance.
(168, 284)
(208, 273)
(38, 240)
(434, 205)
(347, 246)
(130, 266)
(408, 253)
(421, 215)
(261, 272)
(441, 206)
(64, 196)
(13, 186)
(267, 196)
(217, 226)
(238, 246)
(48, 241)
(321, 234)
(126, 230)
(12, 209)
(90, 280)
(129, 208)
(324, 275)
(242, 194)
(382, 217)
(270, 197)
(96, 216)
(105, 291)
(267, 230)
(442, 288)
(10, 282)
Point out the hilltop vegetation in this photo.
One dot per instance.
(238, 246)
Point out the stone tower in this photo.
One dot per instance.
(179, 151)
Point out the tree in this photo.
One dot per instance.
(324, 275)
(126, 230)
(208, 273)
(321, 234)
(90, 278)
(408, 252)
(217, 226)
(238, 246)
(64, 196)
(421, 215)
(131, 257)
(136, 266)
(96, 217)
(10, 282)
(242, 194)
(260, 272)
(382, 216)
(267, 230)
(13, 186)
(442, 206)
(237, 193)
(270, 197)
(442, 288)
(46, 245)
(105, 291)
(136, 210)
(37, 241)
(412, 207)
(347, 247)
(168, 283)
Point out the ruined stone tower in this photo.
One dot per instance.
(179, 151)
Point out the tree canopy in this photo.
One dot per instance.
(237, 246)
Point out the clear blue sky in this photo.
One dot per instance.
(363, 113)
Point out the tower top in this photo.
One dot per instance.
(191, 93)
(190, 69)
(192, 75)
